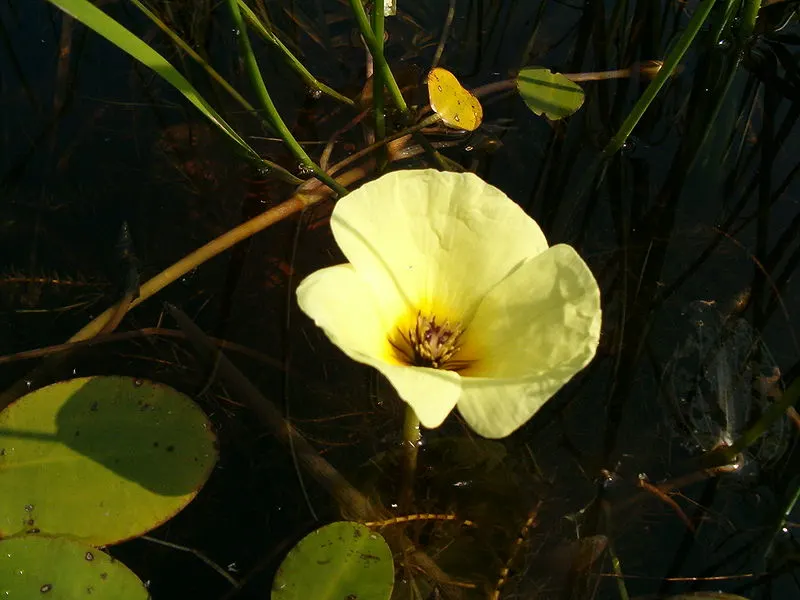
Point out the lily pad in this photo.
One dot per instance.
(548, 93)
(456, 105)
(101, 459)
(338, 561)
(35, 566)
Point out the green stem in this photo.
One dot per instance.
(751, 8)
(294, 63)
(376, 50)
(411, 439)
(272, 112)
(378, 58)
(671, 63)
(725, 21)
(378, 85)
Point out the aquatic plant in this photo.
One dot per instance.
(452, 292)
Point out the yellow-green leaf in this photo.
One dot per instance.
(36, 566)
(102, 459)
(548, 93)
(338, 561)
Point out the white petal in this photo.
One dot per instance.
(441, 240)
(532, 333)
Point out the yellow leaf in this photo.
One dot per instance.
(456, 105)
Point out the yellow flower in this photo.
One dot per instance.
(454, 295)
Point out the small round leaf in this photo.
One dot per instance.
(101, 459)
(551, 94)
(456, 105)
(338, 561)
(35, 566)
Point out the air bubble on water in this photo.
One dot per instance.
(304, 171)
(315, 93)
(236, 32)
(723, 44)
(469, 148)
(263, 171)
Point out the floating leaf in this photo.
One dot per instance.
(102, 459)
(35, 566)
(549, 93)
(338, 561)
(456, 105)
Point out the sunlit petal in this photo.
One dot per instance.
(342, 304)
(533, 332)
(495, 408)
(431, 393)
(442, 239)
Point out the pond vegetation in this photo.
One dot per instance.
(173, 424)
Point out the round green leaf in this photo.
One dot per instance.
(338, 561)
(35, 566)
(102, 459)
(549, 93)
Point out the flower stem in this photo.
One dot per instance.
(378, 86)
(411, 439)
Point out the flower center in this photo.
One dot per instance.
(430, 344)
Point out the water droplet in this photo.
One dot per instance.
(236, 32)
(315, 93)
(629, 145)
(137, 383)
(723, 44)
(189, 277)
(46, 588)
(304, 171)
(28, 507)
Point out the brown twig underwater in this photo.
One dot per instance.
(352, 503)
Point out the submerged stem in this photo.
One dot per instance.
(411, 439)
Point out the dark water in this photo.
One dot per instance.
(693, 232)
